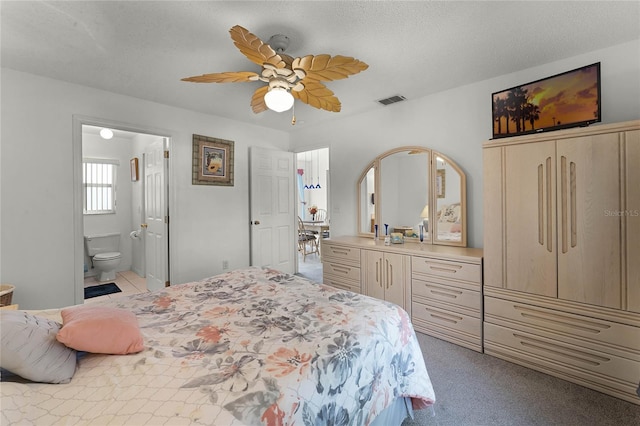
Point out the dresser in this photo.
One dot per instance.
(562, 254)
(439, 286)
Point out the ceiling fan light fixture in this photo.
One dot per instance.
(278, 99)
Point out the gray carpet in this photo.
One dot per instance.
(477, 389)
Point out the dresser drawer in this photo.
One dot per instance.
(447, 269)
(341, 271)
(586, 331)
(435, 293)
(341, 253)
(585, 364)
(428, 318)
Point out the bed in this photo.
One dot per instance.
(252, 346)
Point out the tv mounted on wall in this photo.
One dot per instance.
(569, 99)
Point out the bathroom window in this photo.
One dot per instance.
(99, 182)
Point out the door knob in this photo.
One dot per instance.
(143, 226)
(256, 222)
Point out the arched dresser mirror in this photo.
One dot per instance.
(409, 186)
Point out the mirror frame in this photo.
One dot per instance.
(432, 196)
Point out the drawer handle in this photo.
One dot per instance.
(340, 251)
(452, 269)
(453, 320)
(341, 269)
(446, 293)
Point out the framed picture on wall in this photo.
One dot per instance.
(134, 169)
(212, 161)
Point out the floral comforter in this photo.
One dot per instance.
(253, 346)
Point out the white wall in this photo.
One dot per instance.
(208, 223)
(454, 122)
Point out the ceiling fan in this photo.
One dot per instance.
(288, 78)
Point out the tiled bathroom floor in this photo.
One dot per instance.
(128, 281)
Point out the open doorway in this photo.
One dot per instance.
(120, 209)
(312, 206)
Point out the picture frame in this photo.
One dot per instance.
(212, 161)
(134, 169)
(440, 183)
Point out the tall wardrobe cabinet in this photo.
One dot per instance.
(562, 254)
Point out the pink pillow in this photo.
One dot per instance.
(100, 329)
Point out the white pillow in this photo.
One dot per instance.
(30, 349)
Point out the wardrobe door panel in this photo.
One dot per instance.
(589, 232)
(632, 218)
(530, 220)
(493, 207)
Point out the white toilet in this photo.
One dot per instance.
(103, 250)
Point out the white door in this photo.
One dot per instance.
(273, 221)
(156, 215)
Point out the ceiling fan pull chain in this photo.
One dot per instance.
(293, 116)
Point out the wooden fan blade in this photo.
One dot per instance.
(257, 100)
(224, 77)
(255, 49)
(288, 60)
(318, 96)
(328, 68)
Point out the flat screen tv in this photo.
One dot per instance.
(564, 100)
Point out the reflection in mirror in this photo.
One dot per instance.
(367, 201)
(449, 213)
(409, 186)
(404, 192)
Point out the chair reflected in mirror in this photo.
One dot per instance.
(307, 241)
(322, 216)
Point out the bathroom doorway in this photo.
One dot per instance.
(141, 163)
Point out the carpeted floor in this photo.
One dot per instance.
(474, 389)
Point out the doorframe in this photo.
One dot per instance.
(78, 220)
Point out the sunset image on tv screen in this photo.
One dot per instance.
(571, 98)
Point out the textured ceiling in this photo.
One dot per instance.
(416, 48)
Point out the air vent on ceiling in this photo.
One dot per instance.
(391, 100)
